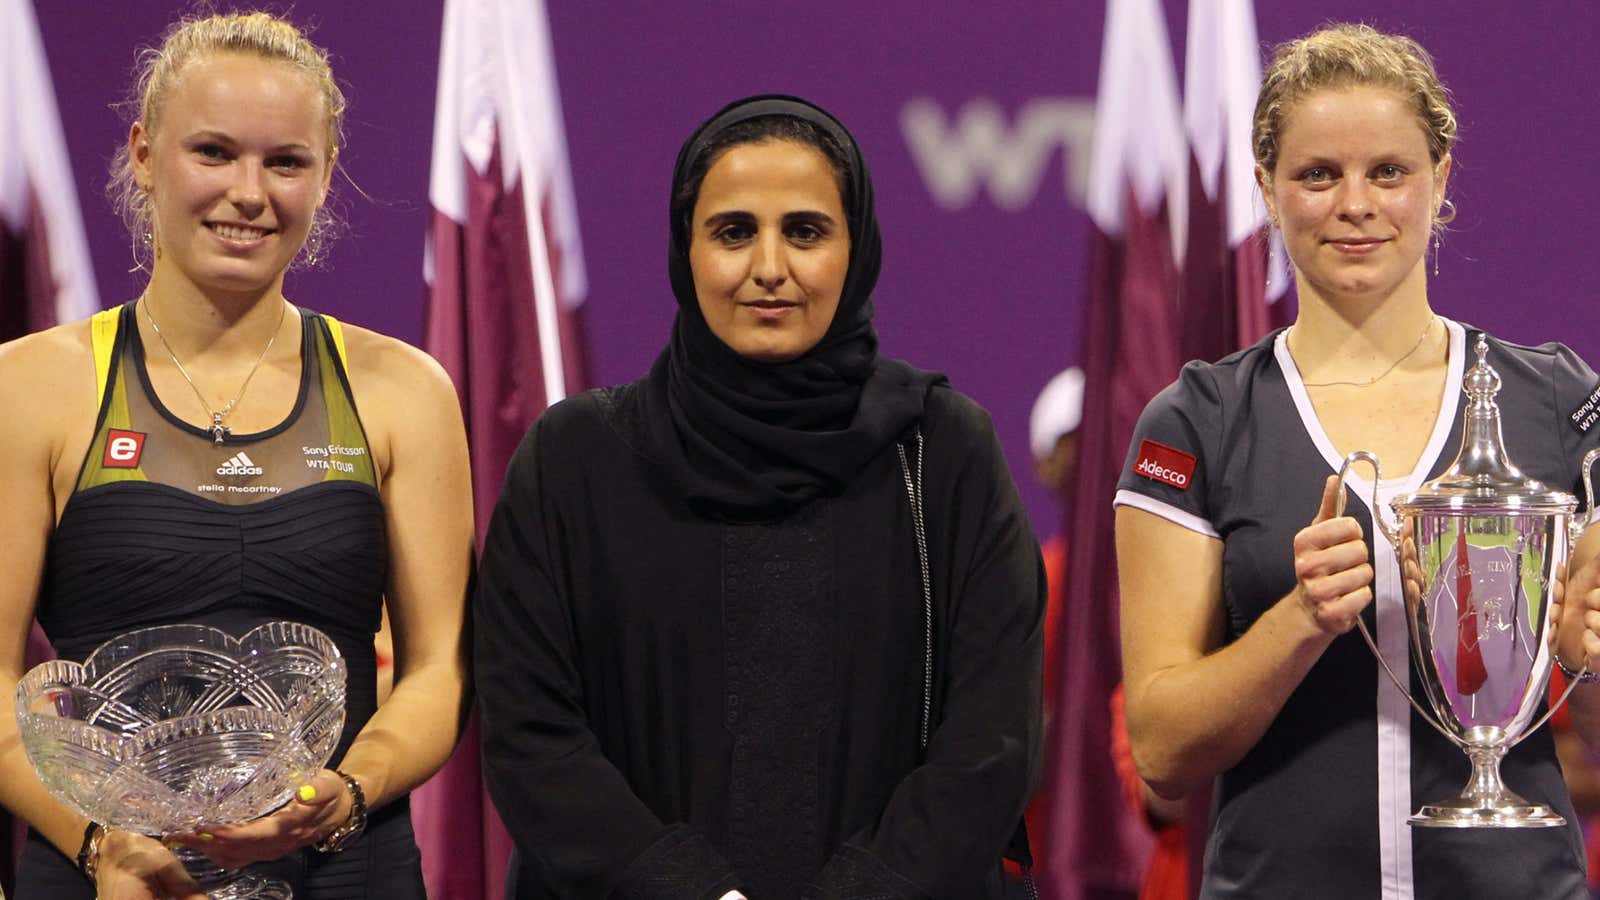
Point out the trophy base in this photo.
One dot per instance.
(222, 884)
(1512, 812)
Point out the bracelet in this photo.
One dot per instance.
(89, 853)
(1585, 676)
(338, 838)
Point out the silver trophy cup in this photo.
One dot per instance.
(1479, 549)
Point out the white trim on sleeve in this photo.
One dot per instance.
(1166, 511)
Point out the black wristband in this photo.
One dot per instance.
(89, 851)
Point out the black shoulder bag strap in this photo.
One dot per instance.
(1017, 848)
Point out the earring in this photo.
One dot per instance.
(1437, 243)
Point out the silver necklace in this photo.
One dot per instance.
(1384, 374)
(219, 431)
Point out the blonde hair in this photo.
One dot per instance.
(1343, 55)
(254, 33)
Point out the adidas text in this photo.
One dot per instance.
(239, 464)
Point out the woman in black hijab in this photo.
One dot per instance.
(766, 622)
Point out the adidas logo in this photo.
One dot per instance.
(240, 464)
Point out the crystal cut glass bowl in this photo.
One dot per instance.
(165, 730)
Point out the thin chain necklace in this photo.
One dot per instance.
(219, 431)
(1385, 373)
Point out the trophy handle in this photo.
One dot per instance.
(1393, 534)
(1575, 527)
(1571, 683)
(1389, 531)
(1575, 530)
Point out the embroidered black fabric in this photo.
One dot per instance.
(622, 414)
(777, 615)
(855, 874)
(682, 863)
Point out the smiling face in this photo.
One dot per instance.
(1355, 191)
(769, 248)
(236, 169)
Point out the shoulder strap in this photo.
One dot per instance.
(103, 335)
(336, 331)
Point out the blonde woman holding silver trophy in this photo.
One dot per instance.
(1243, 661)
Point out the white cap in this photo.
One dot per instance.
(1058, 411)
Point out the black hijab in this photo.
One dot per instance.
(744, 439)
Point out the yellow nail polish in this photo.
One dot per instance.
(206, 836)
(307, 793)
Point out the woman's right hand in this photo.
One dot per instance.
(134, 867)
(1333, 579)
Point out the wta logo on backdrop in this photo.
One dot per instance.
(978, 147)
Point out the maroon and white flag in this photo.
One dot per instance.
(46, 277)
(45, 274)
(1094, 842)
(1234, 273)
(505, 275)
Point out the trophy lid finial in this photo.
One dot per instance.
(1482, 383)
(1482, 474)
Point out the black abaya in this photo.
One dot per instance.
(675, 705)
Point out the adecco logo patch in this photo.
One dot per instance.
(1168, 465)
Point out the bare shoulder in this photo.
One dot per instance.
(397, 388)
(381, 363)
(47, 378)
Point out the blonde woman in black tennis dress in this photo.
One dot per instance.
(197, 456)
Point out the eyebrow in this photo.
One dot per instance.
(206, 134)
(738, 215)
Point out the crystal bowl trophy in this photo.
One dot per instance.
(172, 729)
(1479, 550)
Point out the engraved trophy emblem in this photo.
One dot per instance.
(1479, 548)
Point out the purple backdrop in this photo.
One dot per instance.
(986, 287)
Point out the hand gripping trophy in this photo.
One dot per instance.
(165, 730)
(1480, 548)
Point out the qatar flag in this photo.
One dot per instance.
(1093, 842)
(45, 273)
(505, 276)
(1234, 271)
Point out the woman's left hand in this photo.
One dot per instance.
(318, 807)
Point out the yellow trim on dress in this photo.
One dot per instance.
(103, 335)
(337, 330)
(113, 408)
(344, 426)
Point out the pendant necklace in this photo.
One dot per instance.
(219, 431)
(1384, 374)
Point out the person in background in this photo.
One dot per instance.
(1240, 586)
(766, 622)
(211, 453)
(1166, 875)
(1053, 438)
